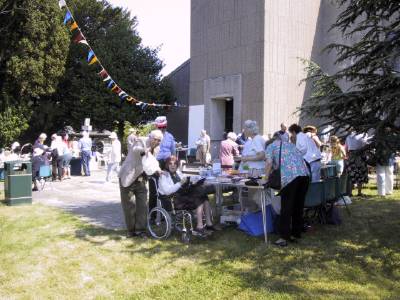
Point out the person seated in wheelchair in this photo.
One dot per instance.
(186, 196)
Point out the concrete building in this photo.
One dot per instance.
(178, 118)
(245, 62)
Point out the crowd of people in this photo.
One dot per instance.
(57, 156)
(298, 153)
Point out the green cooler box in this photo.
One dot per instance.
(18, 182)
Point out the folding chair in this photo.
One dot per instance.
(315, 201)
(341, 188)
(44, 176)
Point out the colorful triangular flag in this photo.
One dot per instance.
(68, 17)
(73, 26)
(122, 95)
(84, 42)
(110, 84)
(78, 37)
(93, 60)
(107, 78)
(103, 74)
(117, 89)
(61, 3)
(90, 55)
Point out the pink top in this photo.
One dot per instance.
(227, 151)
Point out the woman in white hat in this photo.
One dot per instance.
(167, 147)
(114, 156)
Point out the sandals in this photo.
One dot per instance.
(212, 228)
(199, 232)
(281, 243)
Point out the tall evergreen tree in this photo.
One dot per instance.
(373, 73)
(46, 80)
(32, 59)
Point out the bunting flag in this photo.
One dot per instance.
(110, 84)
(107, 78)
(93, 60)
(90, 55)
(103, 74)
(84, 42)
(68, 17)
(62, 3)
(122, 95)
(117, 90)
(73, 26)
(79, 38)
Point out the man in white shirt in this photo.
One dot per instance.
(114, 156)
(309, 150)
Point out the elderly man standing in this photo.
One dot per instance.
(85, 147)
(133, 189)
(167, 147)
(114, 156)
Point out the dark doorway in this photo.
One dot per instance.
(229, 115)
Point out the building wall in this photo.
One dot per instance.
(178, 118)
(258, 43)
(290, 30)
(226, 50)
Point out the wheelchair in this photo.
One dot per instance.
(164, 218)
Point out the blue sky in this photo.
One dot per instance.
(165, 24)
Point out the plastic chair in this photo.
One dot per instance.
(342, 191)
(44, 175)
(315, 201)
(330, 189)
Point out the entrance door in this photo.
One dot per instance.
(228, 115)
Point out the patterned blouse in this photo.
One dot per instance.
(292, 162)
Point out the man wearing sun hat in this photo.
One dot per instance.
(114, 156)
(167, 146)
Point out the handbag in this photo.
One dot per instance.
(274, 179)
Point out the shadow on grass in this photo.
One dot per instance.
(362, 251)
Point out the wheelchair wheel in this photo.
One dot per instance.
(159, 223)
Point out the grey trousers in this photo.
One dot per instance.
(134, 205)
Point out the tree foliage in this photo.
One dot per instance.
(32, 59)
(13, 122)
(42, 70)
(32, 50)
(372, 73)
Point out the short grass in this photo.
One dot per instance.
(46, 253)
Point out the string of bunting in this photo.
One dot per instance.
(92, 58)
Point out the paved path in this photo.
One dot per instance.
(90, 198)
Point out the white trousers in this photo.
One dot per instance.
(384, 179)
(112, 167)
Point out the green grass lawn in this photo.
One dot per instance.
(46, 253)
